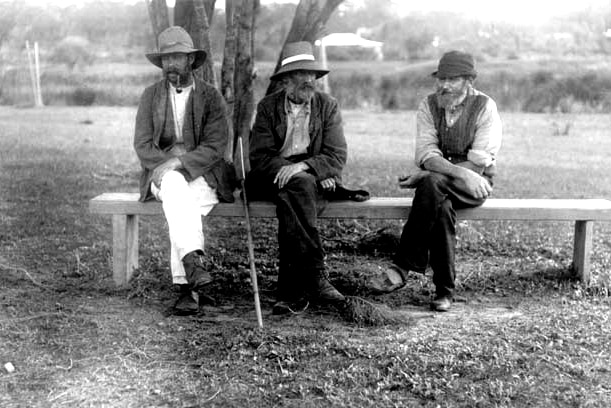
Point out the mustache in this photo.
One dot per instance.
(307, 85)
(444, 92)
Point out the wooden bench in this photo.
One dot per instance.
(126, 209)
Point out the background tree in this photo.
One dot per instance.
(195, 16)
(237, 72)
(308, 25)
(238, 65)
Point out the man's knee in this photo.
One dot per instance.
(173, 183)
(434, 180)
(302, 182)
(432, 187)
(173, 179)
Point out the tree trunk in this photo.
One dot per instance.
(183, 12)
(244, 75)
(308, 25)
(158, 14)
(237, 74)
(228, 70)
(195, 17)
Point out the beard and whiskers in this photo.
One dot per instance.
(447, 98)
(177, 77)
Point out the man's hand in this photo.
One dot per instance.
(286, 172)
(412, 180)
(163, 168)
(328, 184)
(474, 185)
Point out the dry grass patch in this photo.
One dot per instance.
(523, 333)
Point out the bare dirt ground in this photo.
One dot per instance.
(523, 332)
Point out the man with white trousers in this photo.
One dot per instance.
(180, 138)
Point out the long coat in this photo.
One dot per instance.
(205, 136)
(327, 152)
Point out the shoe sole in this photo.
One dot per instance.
(286, 309)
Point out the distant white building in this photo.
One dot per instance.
(351, 40)
(345, 40)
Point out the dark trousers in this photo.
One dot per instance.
(429, 235)
(301, 253)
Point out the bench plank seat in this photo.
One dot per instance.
(382, 208)
(125, 209)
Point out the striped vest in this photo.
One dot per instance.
(455, 142)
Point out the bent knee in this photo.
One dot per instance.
(434, 182)
(173, 180)
(302, 181)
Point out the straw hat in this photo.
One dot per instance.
(298, 56)
(175, 39)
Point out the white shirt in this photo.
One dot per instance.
(179, 107)
(297, 129)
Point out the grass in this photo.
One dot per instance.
(522, 334)
(531, 84)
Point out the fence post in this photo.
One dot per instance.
(38, 99)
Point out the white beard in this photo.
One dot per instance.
(449, 100)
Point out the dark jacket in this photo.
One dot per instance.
(204, 132)
(327, 152)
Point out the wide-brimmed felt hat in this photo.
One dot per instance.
(176, 40)
(298, 56)
(454, 64)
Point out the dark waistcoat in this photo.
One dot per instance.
(455, 142)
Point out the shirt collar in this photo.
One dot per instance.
(288, 105)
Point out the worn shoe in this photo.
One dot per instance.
(197, 274)
(284, 307)
(391, 279)
(323, 290)
(187, 303)
(441, 304)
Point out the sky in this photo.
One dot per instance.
(513, 11)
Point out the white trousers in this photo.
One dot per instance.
(183, 204)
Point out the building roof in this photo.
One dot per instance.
(348, 39)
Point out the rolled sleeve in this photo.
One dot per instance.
(427, 141)
(488, 135)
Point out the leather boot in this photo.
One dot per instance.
(197, 274)
(187, 303)
(322, 289)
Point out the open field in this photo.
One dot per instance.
(522, 334)
(568, 85)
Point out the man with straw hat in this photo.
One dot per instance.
(457, 141)
(180, 138)
(297, 153)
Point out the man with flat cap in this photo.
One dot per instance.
(458, 137)
(180, 138)
(297, 153)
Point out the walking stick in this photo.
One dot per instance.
(251, 250)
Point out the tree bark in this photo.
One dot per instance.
(158, 14)
(228, 69)
(308, 25)
(195, 17)
(244, 106)
(183, 12)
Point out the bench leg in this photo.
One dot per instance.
(582, 248)
(124, 247)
